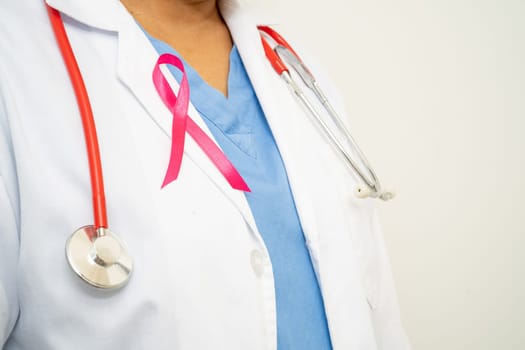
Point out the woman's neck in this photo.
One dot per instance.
(183, 12)
(194, 28)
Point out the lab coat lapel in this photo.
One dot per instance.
(278, 108)
(136, 60)
(299, 144)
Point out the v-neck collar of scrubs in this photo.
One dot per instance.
(211, 103)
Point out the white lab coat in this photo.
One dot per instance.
(202, 277)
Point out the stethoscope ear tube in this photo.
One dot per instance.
(86, 113)
(94, 253)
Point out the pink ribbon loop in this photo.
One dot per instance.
(182, 123)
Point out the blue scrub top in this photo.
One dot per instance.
(241, 130)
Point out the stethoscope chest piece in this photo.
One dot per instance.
(99, 257)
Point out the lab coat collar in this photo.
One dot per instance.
(95, 13)
(102, 14)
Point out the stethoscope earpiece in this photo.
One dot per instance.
(99, 257)
(387, 195)
(362, 191)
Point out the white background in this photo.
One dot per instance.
(435, 91)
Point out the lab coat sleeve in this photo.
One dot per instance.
(377, 275)
(389, 330)
(9, 233)
(378, 278)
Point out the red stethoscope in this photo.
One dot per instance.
(99, 256)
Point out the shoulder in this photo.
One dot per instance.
(25, 39)
(20, 23)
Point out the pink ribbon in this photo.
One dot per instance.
(182, 123)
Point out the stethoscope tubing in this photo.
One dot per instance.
(274, 56)
(88, 122)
